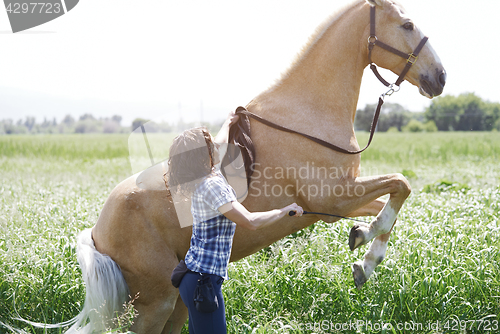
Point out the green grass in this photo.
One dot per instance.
(442, 265)
(67, 147)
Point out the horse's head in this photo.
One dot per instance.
(395, 28)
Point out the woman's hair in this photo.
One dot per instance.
(190, 159)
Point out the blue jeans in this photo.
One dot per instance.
(203, 323)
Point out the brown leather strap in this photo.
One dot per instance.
(412, 58)
(241, 110)
(373, 41)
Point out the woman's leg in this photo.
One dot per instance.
(203, 323)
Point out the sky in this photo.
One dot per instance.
(199, 59)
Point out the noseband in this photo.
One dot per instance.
(411, 58)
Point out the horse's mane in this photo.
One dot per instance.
(316, 36)
(239, 133)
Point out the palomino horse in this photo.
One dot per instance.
(138, 228)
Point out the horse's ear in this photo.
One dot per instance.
(375, 2)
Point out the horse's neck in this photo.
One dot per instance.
(327, 76)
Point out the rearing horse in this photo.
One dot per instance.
(138, 229)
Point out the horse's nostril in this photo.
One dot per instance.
(442, 78)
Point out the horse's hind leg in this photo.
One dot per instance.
(177, 318)
(153, 315)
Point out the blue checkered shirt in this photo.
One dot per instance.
(212, 237)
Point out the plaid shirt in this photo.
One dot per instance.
(212, 237)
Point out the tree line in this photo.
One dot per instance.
(87, 123)
(466, 112)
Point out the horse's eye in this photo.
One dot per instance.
(408, 26)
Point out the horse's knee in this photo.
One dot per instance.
(400, 185)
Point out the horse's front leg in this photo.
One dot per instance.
(398, 188)
(380, 228)
(362, 270)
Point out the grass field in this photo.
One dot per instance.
(441, 273)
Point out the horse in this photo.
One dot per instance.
(137, 240)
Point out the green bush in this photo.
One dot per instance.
(414, 126)
(430, 126)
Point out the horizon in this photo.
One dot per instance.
(199, 60)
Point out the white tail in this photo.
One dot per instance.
(107, 292)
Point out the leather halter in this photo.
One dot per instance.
(373, 41)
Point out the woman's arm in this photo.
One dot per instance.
(237, 213)
(223, 134)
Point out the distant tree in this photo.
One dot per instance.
(68, 120)
(87, 116)
(8, 126)
(46, 123)
(492, 116)
(466, 112)
(87, 126)
(471, 114)
(110, 126)
(391, 115)
(363, 119)
(117, 119)
(29, 123)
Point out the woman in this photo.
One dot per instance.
(216, 212)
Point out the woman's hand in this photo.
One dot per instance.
(232, 118)
(223, 134)
(295, 208)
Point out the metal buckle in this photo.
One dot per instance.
(372, 38)
(412, 59)
(393, 88)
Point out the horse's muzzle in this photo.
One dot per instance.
(431, 87)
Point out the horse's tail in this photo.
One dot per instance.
(106, 291)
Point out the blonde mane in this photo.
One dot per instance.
(315, 37)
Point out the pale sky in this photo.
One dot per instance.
(159, 58)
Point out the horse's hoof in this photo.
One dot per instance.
(356, 237)
(358, 273)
